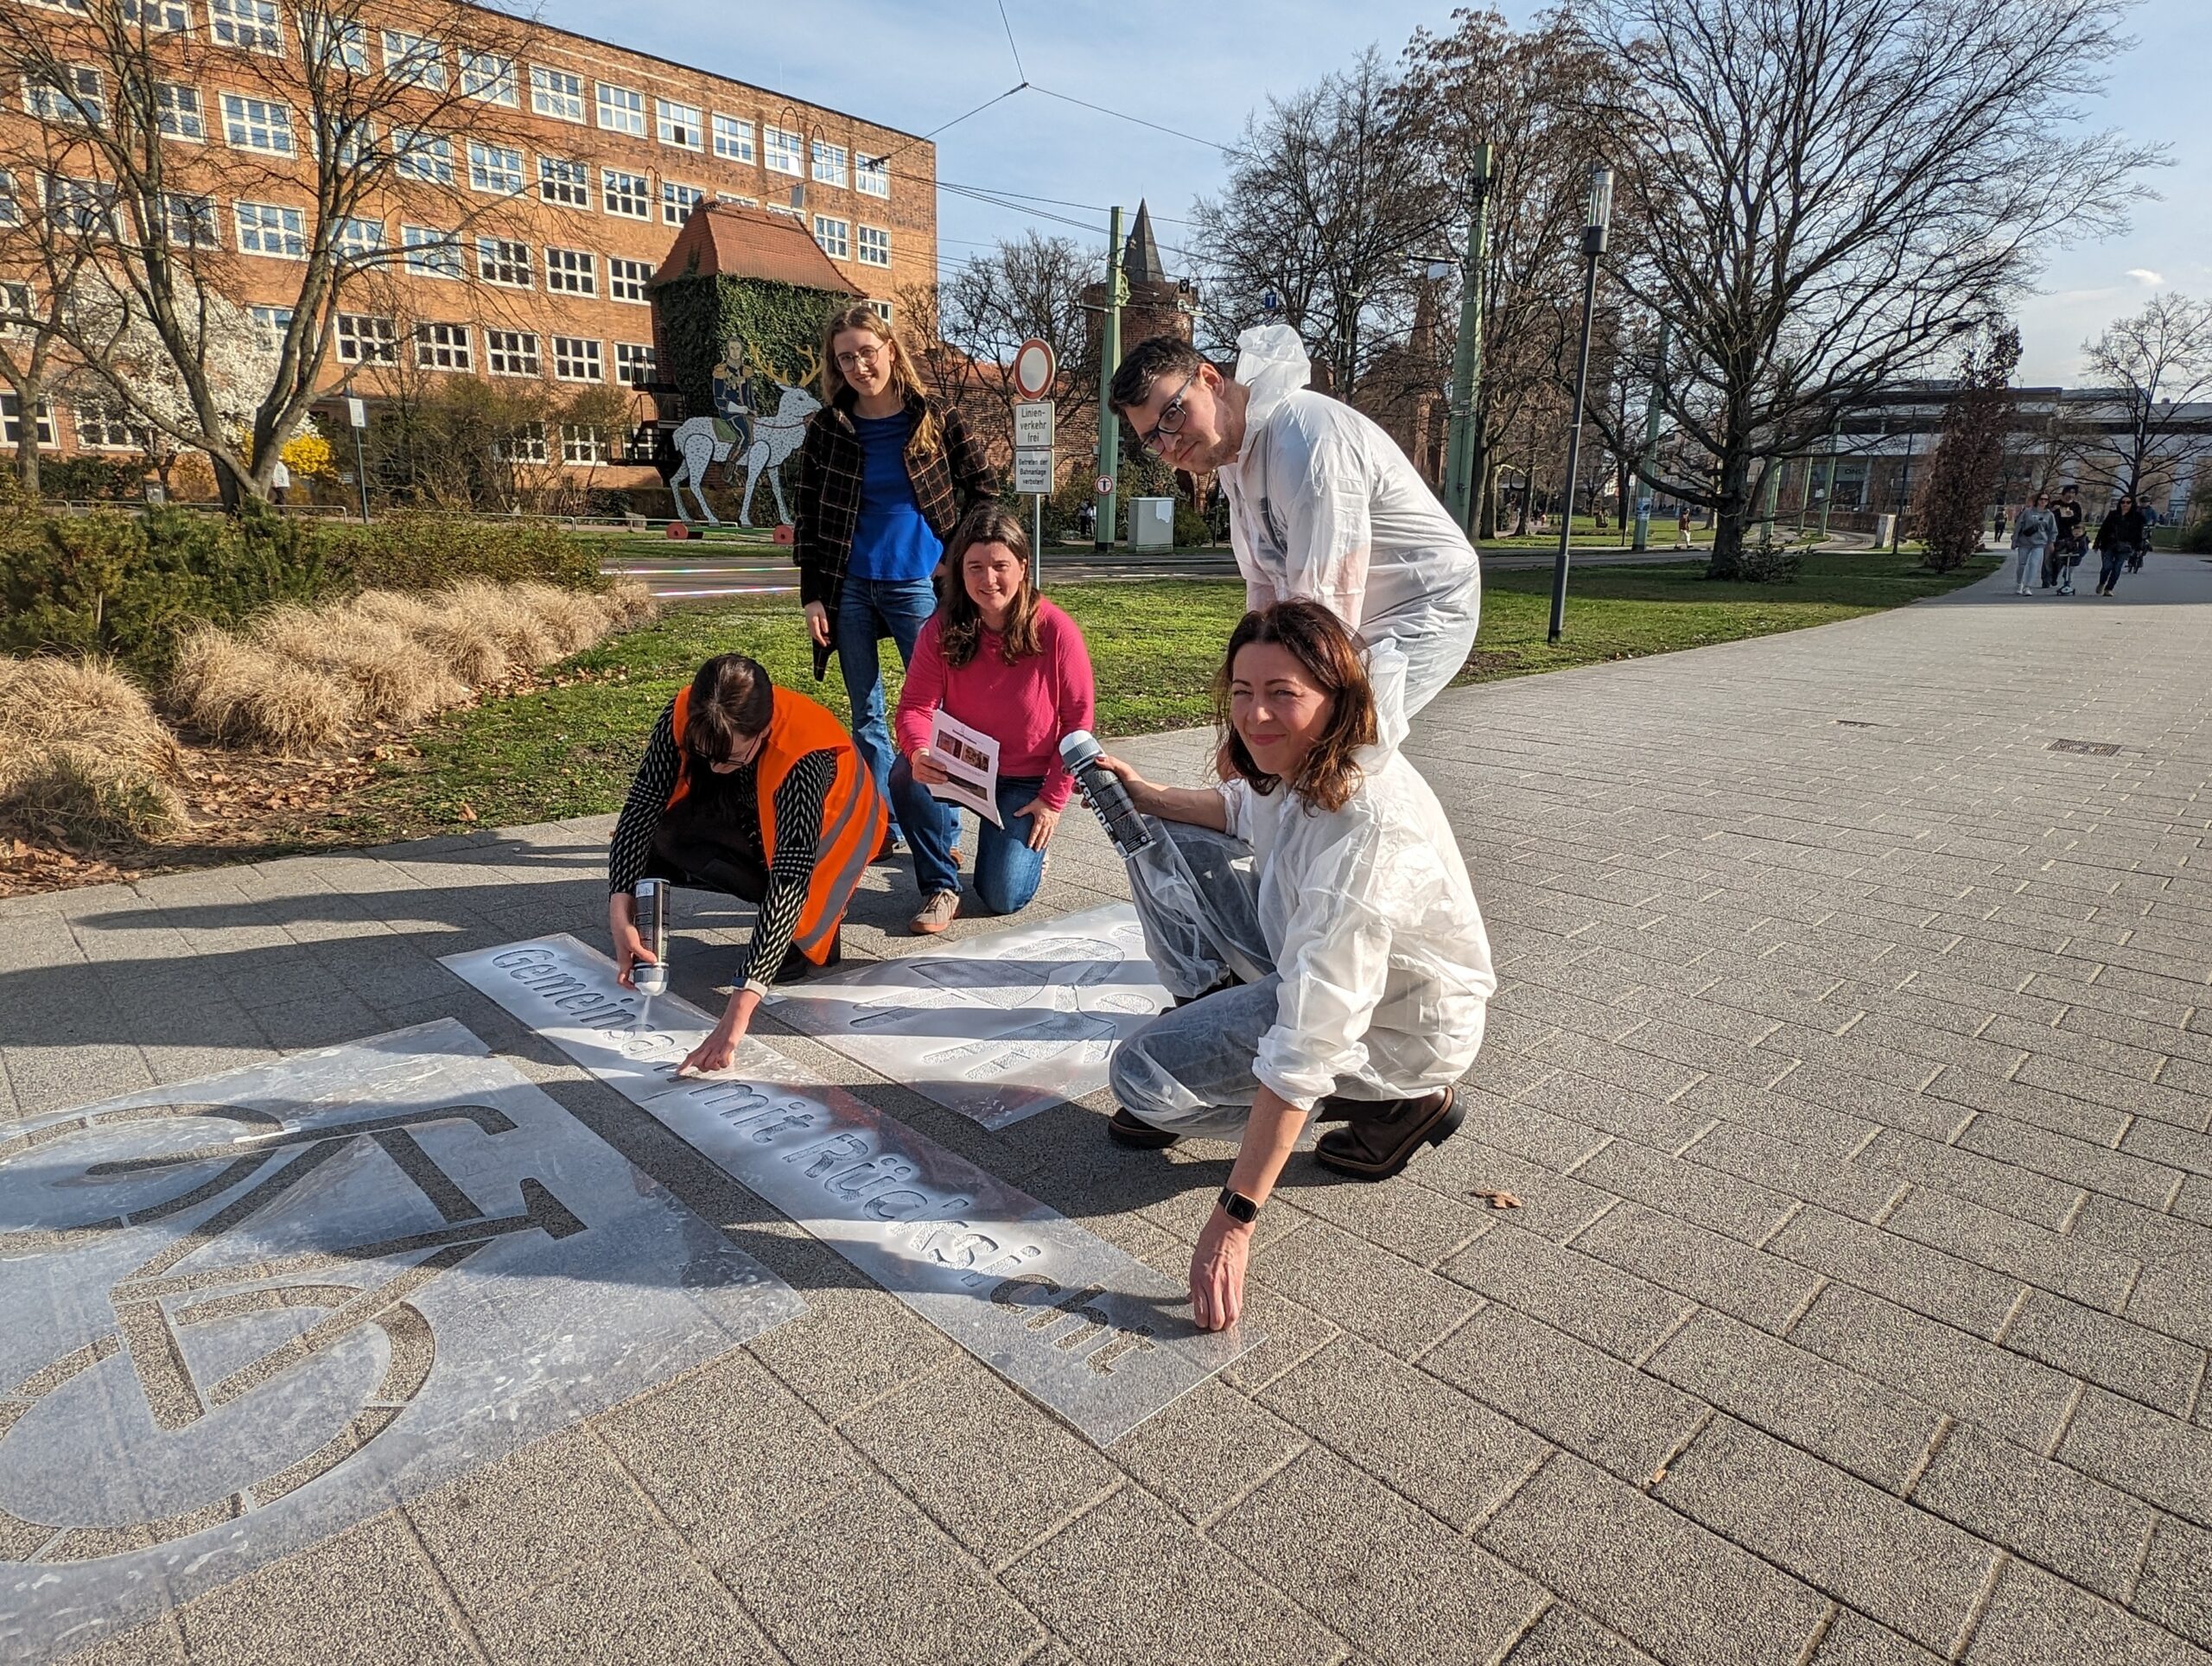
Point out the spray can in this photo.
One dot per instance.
(653, 928)
(1081, 752)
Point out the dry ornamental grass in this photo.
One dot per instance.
(82, 754)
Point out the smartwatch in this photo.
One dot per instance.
(1237, 1206)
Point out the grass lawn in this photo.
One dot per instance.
(568, 749)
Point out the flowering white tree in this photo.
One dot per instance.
(235, 362)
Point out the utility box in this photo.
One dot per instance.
(1151, 523)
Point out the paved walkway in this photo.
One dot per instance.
(1852, 1067)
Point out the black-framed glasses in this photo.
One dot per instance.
(1170, 418)
(853, 356)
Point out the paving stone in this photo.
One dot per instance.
(1942, 1286)
(928, 1437)
(2076, 1162)
(1863, 1546)
(2149, 1454)
(2175, 1292)
(630, 1597)
(849, 1347)
(2003, 1187)
(2122, 1093)
(2036, 1620)
(1563, 1638)
(1206, 1449)
(1854, 1640)
(2175, 1147)
(2120, 1355)
(1567, 1391)
(2053, 1515)
(1733, 1208)
(1974, 1381)
(2176, 1589)
(1292, 1332)
(1128, 1582)
(1368, 1291)
(1372, 1567)
(2084, 1272)
(1702, 1265)
(1818, 1127)
(1451, 1454)
(1796, 1170)
(2025, 1102)
(1624, 1112)
(872, 1578)
(1549, 1204)
(1853, 1421)
(1668, 1585)
(1569, 1290)
(1413, 1216)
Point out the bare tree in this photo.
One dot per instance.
(320, 107)
(1822, 195)
(2159, 364)
(991, 303)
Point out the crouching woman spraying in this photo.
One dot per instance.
(1319, 932)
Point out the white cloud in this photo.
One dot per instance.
(2146, 277)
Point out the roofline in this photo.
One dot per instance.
(695, 69)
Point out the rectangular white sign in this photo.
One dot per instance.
(247, 1312)
(1033, 472)
(1098, 1337)
(1032, 425)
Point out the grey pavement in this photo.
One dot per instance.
(1851, 1065)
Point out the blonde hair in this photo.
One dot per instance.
(904, 379)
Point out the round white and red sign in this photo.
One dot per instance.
(1034, 368)
(1105, 484)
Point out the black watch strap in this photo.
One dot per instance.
(1237, 1206)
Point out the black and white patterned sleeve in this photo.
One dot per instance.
(632, 844)
(799, 804)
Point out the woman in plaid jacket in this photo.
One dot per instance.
(885, 475)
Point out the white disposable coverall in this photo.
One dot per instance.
(1324, 506)
(1357, 934)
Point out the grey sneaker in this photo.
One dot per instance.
(941, 909)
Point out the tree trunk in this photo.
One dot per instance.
(1734, 475)
(27, 460)
(232, 487)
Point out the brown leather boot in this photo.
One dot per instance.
(1125, 1129)
(1380, 1139)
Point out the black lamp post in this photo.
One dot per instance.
(1593, 245)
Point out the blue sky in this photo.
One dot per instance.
(917, 64)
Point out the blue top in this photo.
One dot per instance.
(891, 540)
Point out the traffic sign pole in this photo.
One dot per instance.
(1109, 360)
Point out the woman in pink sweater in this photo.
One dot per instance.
(1000, 658)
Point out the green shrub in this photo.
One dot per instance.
(1191, 531)
(2197, 537)
(423, 552)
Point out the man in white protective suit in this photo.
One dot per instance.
(1322, 504)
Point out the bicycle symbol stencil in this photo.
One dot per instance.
(249, 1311)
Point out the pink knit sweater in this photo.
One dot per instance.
(1026, 707)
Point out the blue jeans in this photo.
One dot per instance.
(868, 609)
(1007, 869)
(2115, 559)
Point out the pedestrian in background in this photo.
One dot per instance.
(2119, 534)
(885, 475)
(2033, 529)
(1683, 528)
(2066, 547)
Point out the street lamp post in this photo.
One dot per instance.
(1904, 494)
(1593, 245)
(1648, 463)
(1462, 496)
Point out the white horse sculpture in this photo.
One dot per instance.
(774, 438)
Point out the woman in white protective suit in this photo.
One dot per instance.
(1312, 917)
(1323, 504)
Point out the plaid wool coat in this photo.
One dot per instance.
(948, 479)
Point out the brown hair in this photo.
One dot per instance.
(905, 381)
(1325, 652)
(960, 632)
(732, 700)
(1152, 360)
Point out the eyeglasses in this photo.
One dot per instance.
(1170, 418)
(858, 356)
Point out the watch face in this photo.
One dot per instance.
(1238, 1207)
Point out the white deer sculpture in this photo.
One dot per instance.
(774, 438)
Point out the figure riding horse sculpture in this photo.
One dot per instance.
(762, 443)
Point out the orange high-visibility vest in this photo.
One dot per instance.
(854, 819)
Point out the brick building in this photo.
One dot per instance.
(520, 243)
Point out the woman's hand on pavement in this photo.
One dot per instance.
(719, 1050)
(1217, 1272)
(817, 623)
(927, 770)
(1042, 818)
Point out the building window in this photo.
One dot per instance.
(829, 163)
(622, 110)
(356, 137)
(11, 421)
(414, 60)
(580, 444)
(17, 317)
(733, 139)
(257, 124)
(835, 237)
(358, 240)
(626, 279)
(269, 324)
(431, 253)
(328, 41)
(418, 154)
(102, 428)
(678, 124)
(249, 25)
(875, 245)
(527, 443)
(880, 308)
(575, 358)
(871, 175)
(629, 195)
(556, 93)
(784, 150)
(177, 110)
(494, 167)
(501, 261)
(266, 228)
(566, 183)
(82, 206)
(11, 211)
(189, 221)
(512, 352)
(572, 271)
(676, 201)
(72, 94)
(364, 339)
(634, 363)
(162, 17)
(489, 76)
(443, 347)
